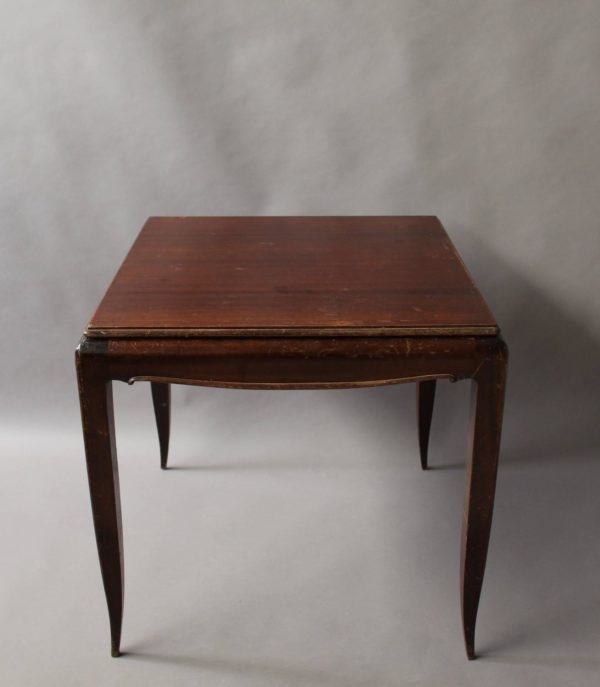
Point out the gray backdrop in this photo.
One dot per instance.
(303, 545)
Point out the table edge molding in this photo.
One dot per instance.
(224, 332)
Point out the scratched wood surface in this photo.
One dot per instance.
(288, 276)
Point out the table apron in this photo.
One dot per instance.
(289, 363)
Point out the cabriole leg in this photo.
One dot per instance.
(161, 398)
(95, 394)
(425, 399)
(486, 425)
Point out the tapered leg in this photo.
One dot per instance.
(161, 398)
(486, 425)
(95, 396)
(425, 399)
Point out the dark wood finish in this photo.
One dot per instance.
(95, 394)
(487, 404)
(294, 364)
(161, 400)
(149, 296)
(327, 276)
(425, 400)
(291, 363)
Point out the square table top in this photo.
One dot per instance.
(292, 276)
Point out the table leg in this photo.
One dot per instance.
(425, 399)
(95, 394)
(486, 425)
(161, 398)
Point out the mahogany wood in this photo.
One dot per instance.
(95, 394)
(425, 400)
(291, 364)
(178, 312)
(161, 400)
(487, 403)
(330, 276)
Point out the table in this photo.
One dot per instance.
(292, 303)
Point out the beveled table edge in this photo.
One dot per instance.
(161, 333)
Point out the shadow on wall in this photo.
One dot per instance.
(552, 402)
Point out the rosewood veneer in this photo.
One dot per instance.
(292, 303)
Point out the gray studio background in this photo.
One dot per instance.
(302, 545)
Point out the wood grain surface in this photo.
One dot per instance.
(288, 276)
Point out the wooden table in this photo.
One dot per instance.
(292, 303)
